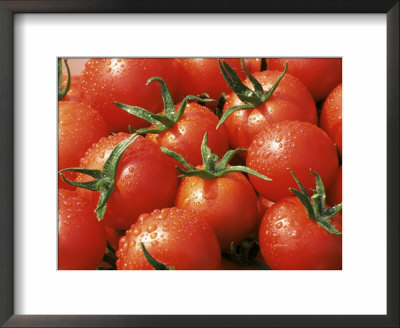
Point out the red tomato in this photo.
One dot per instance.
(290, 101)
(81, 237)
(79, 126)
(186, 136)
(300, 146)
(334, 193)
(290, 240)
(146, 179)
(174, 237)
(124, 80)
(202, 75)
(320, 75)
(73, 93)
(253, 65)
(228, 204)
(331, 116)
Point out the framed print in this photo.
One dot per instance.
(34, 34)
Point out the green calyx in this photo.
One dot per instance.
(63, 92)
(213, 167)
(250, 98)
(104, 180)
(315, 206)
(153, 262)
(163, 122)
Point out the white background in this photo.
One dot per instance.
(360, 288)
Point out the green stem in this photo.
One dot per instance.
(163, 122)
(63, 92)
(104, 180)
(250, 98)
(213, 168)
(315, 205)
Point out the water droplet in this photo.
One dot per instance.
(279, 225)
(278, 138)
(151, 228)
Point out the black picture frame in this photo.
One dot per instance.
(7, 130)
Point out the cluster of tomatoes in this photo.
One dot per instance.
(200, 163)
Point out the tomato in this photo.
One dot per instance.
(334, 193)
(202, 75)
(73, 93)
(228, 204)
(253, 65)
(124, 80)
(320, 75)
(290, 240)
(174, 237)
(186, 135)
(290, 101)
(331, 116)
(145, 179)
(300, 146)
(81, 237)
(79, 126)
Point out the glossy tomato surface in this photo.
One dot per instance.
(253, 65)
(290, 101)
(146, 179)
(124, 80)
(73, 93)
(331, 116)
(81, 237)
(290, 240)
(174, 237)
(300, 146)
(79, 126)
(228, 204)
(319, 75)
(202, 75)
(186, 136)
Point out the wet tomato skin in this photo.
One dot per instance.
(290, 101)
(290, 240)
(174, 237)
(331, 116)
(319, 75)
(79, 126)
(81, 237)
(146, 179)
(300, 146)
(202, 75)
(105, 80)
(73, 93)
(228, 204)
(186, 136)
